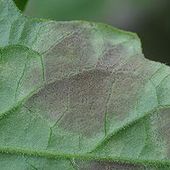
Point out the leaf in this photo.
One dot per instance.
(21, 4)
(79, 95)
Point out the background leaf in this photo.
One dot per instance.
(21, 4)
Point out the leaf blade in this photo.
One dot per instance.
(87, 72)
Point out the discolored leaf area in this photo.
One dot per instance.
(79, 96)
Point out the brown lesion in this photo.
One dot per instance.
(70, 55)
(106, 165)
(161, 130)
(82, 99)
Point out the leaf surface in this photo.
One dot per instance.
(79, 95)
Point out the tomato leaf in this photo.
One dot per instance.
(79, 95)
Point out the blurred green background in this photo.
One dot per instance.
(148, 18)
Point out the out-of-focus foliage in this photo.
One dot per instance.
(86, 9)
(149, 18)
(21, 4)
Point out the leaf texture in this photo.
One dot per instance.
(79, 96)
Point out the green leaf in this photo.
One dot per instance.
(79, 95)
(21, 4)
